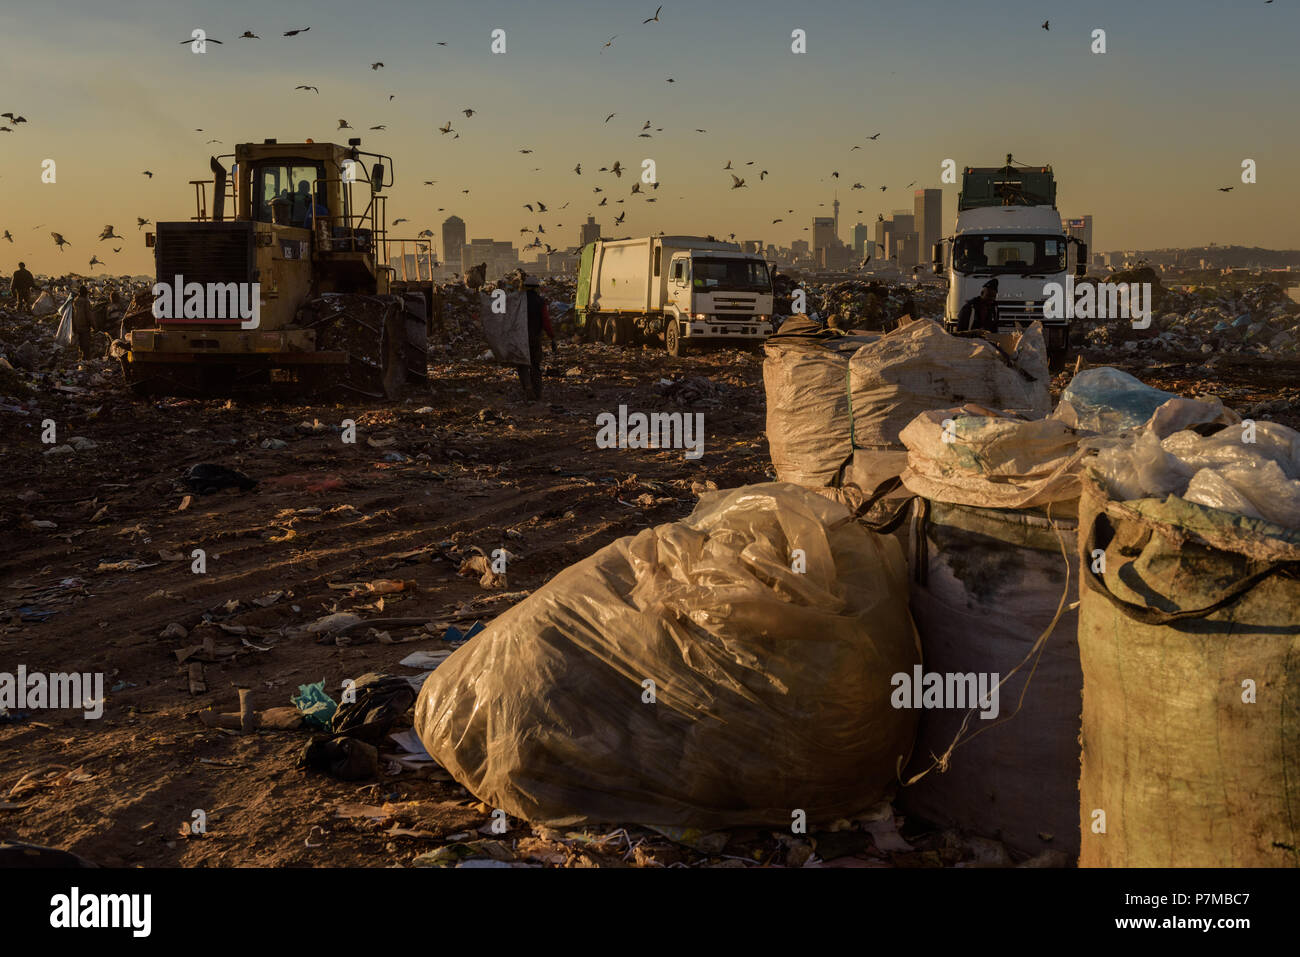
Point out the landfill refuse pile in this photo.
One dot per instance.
(689, 676)
(1252, 320)
(860, 303)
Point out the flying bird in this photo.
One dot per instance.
(1225, 189)
(312, 88)
(617, 169)
(835, 174)
(7, 236)
(468, 112)
(16, 119)
(852, 148)
(671, 80)
(376, 66)
(118, 249)
(762, 175)
(108, 234)
(140, 221)
(212, 141)
(655, 18)
(525, 151)
(883, 188)
(248, 35)
(736, 181)
(609, 42)
(208, 39)
(401, 220)
(728, 166)
(610, 117)
(146, 173)
(430, 182)
(528, 206)
(775, 221)
(60, 241)
(1047, 24)
(541, 207)
(294, 33)
(343, 125)
(381, 126)
(95, 261)
(578, 169)
(618, 220)
(875, 137)
(445, 129)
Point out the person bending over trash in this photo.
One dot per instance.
(81, 323)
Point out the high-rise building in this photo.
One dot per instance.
(881, 249)
(859, 239)
(906, 248)
(453, 239)
(823, 232)
(799, 249)
(836, 206)
(501, 257)
(928, 216)
(590, 231)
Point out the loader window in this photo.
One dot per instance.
(291, 185)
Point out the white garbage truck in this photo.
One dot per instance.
(1009, 229)
(674, 290)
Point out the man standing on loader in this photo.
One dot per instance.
(539, 319)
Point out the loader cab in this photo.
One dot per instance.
(284, 192)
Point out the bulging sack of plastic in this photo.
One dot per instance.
(1250, 469)
(506, 331)
(723, 670)
(1108, 400)
(45, 305)
(836, 420)
(980, 457)
(63, 335)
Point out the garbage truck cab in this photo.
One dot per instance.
(678, 290)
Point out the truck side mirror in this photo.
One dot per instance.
(377, 177)
(1081, 260)
(937, 258)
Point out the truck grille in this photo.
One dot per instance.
(734, 305)
(1017, 310)
(204, 252)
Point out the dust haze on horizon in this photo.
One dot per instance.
(1142, 137)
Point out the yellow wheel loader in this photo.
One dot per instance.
(294, 291)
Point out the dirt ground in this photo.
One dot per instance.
(480, 469)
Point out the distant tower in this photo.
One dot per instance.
(836, 206)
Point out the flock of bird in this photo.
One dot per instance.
(615, 170)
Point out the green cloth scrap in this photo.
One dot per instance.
(316, 706)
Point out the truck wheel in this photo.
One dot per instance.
(673, 340)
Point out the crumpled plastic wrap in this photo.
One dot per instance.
(771, 680)
(1250, 469)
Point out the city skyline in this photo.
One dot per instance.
(104, 126)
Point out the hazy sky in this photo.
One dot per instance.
(1141, 136)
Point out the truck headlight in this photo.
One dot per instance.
(700, 317)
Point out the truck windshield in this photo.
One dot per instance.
(1000, 254)
(730, 274)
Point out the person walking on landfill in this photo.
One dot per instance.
(980, 313)
(539, 319)
(22, 284)
(81, 323)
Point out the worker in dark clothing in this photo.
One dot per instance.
(82, 323)
(23, 283)
(981, 312)
(539, 321)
